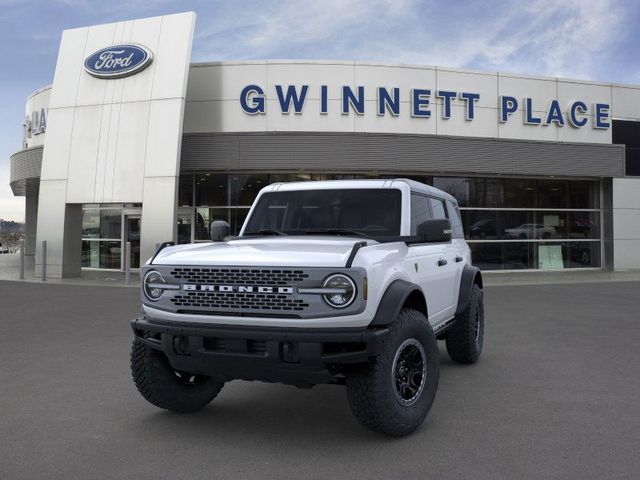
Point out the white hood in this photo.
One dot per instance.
(291, 251)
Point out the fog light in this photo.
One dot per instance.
(181, 345)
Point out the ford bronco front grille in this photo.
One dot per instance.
(239, 276)
(238, 290)
(238, 301)
(249, 291)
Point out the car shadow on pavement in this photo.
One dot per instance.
(273, 412)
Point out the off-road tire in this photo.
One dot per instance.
(465, 338)
(371, 388)
(163, 387)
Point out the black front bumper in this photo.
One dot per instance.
(295, 356)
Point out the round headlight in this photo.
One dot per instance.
(149, 285)
(343, 290)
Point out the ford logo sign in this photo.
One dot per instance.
(118, 61)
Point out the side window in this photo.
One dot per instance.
(419, 211)
(437, 207)
(456, 221)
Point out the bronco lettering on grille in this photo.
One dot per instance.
(237, 289)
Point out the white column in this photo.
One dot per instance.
(114, 140)
(51, 205)
(159, 214)
(626, 223)
(60, 224)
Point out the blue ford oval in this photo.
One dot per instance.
(118, 61)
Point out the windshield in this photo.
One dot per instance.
(360, 212)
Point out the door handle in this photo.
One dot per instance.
(442, 262)
(459, 259)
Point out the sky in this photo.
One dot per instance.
(584, 39)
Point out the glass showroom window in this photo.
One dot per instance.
(510, 223)
(514, 224)
(224, 197)
(101, 236)
(229, 197)
(216, 196)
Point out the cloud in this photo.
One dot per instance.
(291, 28)
(567, 38)
(572, 38)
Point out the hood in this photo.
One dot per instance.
(292, 251)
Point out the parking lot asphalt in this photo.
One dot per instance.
(556, 395)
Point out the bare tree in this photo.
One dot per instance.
(10, 241)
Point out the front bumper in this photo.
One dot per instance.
(294, 356)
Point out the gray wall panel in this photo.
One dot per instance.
(356, 151)
(221, 153)
(24, 169)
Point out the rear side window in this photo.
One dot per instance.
(437, 208)
(420, 211)
(456, 221)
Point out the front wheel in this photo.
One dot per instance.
(163, 386)
(393, 393)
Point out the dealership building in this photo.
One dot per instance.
(134, 143)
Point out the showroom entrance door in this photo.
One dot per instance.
(132, 234)
(185, 225)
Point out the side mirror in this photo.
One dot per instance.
(437, 230)
(218, 230)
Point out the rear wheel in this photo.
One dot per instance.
(163, 386)
(465, 338)
(393, 393)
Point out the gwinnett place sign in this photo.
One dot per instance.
(577, 114)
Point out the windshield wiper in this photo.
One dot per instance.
(266, 231)
(338, 231)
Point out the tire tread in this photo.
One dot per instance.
(151, 375)
(460, 338)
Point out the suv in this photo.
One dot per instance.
(340, 282)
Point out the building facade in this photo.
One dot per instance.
(133, 143)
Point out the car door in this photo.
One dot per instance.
(434, 264)
(448, 265)
(461, 250)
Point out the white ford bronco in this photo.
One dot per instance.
(340, 282)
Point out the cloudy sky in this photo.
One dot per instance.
(586, 39)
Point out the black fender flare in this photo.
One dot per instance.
(470, 276)
(392, 301)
